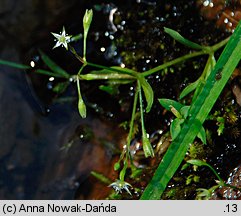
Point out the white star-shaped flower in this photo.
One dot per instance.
(62, 39)
(119, 185)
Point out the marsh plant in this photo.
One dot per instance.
(189, 118)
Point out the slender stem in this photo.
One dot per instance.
(172, 62)
(76, 54)
(231, 186)
(130, 135)
(78, 88)
(110, 76)
(123, 71)
(185, 57)
(84, 49)
(141, 109)
(217, 46)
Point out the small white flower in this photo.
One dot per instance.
(119, 185)
(62, 39)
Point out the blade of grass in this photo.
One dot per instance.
(197, 114)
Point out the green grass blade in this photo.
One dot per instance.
(53, 66)
(15, 65)
(182, 40)
(197, 114)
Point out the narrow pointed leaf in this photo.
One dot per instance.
(168, 104)
(176, 127)
(147, 147)
(184, 111)
(61, 87)
(48, 73)
(15, 65)
(148, 92)
(53, 66)
(191, 87)
(174, 34)
(202, 135)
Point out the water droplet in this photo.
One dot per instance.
(225, 20)
(206, 3)
(32, 64)
(51, 79)
(49, 85)
(102, 49)
(122, 65)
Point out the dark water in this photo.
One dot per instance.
(46, 150)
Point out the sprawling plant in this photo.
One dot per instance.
(189, 118)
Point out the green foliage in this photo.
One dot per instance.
(101, 177)
(189, 119)
(81, 104)
(181, 112)
(198, 112)
(15, 65)
(86, 24)
(53, 66)
(174, 34)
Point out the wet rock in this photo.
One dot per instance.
(227, 193)
(82, 146)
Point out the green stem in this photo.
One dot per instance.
(215, 173)
(76, 54)
(219, 45)
(123, 71)
(172, 62)
(141, 109)
(84, 49)
(233, 187)
(110, 76)
(129, 138)
(213, 48)
(130, 135)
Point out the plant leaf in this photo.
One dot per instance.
(110, 89)
(202, 135)
(174, 34)
(199, 111)
(147, 147)
(101, 177)
(61, 87)
(15, 65)
(81, 104)
(148, 92)
(53, 66)
(184, 111)
(191, 87)
(168, 104)
(82, 108)
(176, 127)
(197, 162)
